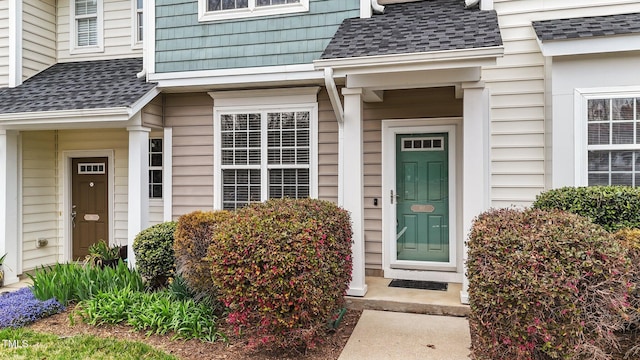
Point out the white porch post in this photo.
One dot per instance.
(475, 163)
(352, 183)
(138, 185)
(9, 204)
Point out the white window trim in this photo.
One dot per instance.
(99, 47)
(251, 11)
(135, 42)
(295, 99)
(581, 97)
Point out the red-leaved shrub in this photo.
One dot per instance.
(194, 235)
(282, 268)
(544, 285)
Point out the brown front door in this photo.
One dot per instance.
(89, 203)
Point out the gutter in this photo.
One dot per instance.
(377, 8)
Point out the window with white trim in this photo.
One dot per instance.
(155, 168)
(86, 22)
(138, 21)
(265, 154)
(613, 140)
(233, 9)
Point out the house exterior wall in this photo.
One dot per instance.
(184, 44)
(117, 32)
(520, 106)
(38, 36)
(4, 43)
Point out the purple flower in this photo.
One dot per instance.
(20, 308)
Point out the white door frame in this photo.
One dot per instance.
(417, 270)
(67, 156)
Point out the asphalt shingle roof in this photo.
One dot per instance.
(78, 85)
(586, 27)
(415, 27)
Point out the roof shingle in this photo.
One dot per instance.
(587, 27)
(78, 85)
(415, 27)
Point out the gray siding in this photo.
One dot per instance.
(184, 44)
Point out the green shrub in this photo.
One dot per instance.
(283, 267)
(155, 312)
(153, 248)
(73, 282)
(544, 285)
(612, 207)
(194, 234)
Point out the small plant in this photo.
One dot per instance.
(155, 313)
(155, 259)
(101, 254)
(612, 207)
(544, 285)
(2, 270)
(194, 235)
(2, 259)
(72, 282)
(283, 268)
(20, 308)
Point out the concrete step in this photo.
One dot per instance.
(430, 302)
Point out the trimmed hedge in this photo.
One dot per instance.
(544, 285)
(194, 235)
(612, 207)
(153, 248)
(630, 239)
(283, 268)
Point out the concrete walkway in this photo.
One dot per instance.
(387, 335)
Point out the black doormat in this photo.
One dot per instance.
(423, 285)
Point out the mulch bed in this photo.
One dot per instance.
(330, 349)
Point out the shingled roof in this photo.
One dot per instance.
(587, 27)
(78, 85)
(416, 27)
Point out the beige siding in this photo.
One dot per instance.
(152, 113)
(104, 139)
(517, 85)
(400, 104)
(117, 32)
(327, 149)
(191, 117)
(4, 43)
(38, 36)
(39, 199)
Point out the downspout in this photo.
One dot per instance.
(377, 8)
(338, 109)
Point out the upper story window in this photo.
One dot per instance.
(613, 139)
(138, 21)
(210, 10)
(86, 34)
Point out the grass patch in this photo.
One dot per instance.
(34, 345)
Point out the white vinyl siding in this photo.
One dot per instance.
(38, 36)
(520, 167)
(4, 43)
(117, 32)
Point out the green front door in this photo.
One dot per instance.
(422, 185)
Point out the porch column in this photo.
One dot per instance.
(476, 189)
(352, 183)
(138, 218)
(9, 241)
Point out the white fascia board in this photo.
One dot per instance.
(593, 45)
(143, 101)
(63, 118)
(413, 61)
(486, 4)
(264, 74)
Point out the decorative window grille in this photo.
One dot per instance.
(264, 155)
(91, 169)
(423, 144)
(155, 168)
(613, 141)
(86, 18)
